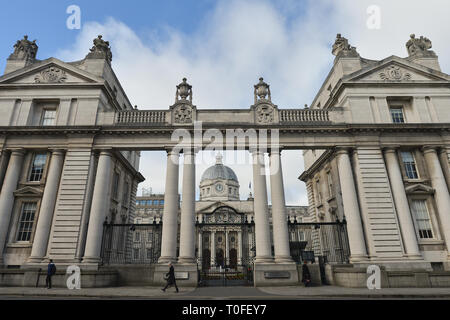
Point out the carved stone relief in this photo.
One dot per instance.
(394, 73)
(51, 75)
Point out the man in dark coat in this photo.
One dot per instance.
(170, 278)
(305, 274)
(51, 270)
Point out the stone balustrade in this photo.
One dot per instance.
(303, 115)
(140, 116)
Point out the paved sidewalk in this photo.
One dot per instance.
(220, 293)
(362, 293)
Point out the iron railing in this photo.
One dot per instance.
(327, 240)
(131, 243)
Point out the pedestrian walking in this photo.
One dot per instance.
(51, 270)
(170, 278)
(306, 276)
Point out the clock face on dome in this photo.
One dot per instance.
(219, 187)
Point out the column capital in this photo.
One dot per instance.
(172, 151)
(256, 151)
(276, 150)
(57, 151)
(17, 151)
(343, 150)
(429, 149)
(390, 149)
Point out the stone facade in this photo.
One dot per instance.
(401, 185)
(377, 137)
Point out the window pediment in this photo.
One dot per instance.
(28, 192)
(419, 188)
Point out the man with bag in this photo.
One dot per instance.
(170, 277)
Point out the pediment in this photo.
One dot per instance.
(50, 71)
(28, 192)
(394, 69)
(419, 188)
(210, 207)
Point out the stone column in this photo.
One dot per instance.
(262, 230)
(401, 204)
(239, 261)
(4, 160)
(351, 208)
(187, 232)
(7, 195)
(443, 156)
(99, 208)
(213, 249)
(279, 218)
(170, 215)
(86, 208)
(44, 222)
(441, 194)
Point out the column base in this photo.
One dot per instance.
(34, 260)
(91, 260)
(283, 259)
(166, 260)
(358, 258)
(275, 274)
(185, 260)
(263, 259)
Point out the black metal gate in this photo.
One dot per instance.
(233, 267)
(326, 240)
(131, 243)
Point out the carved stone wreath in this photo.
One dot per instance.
(264, 113)
(394, 73)
(51, 75)
(182, 113)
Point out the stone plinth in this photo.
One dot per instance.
(275, 274)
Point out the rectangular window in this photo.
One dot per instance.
(115, 185)
(125, 195)
(397, 115)
(137, 237)
(48, 117)
(135, 253)
(420, 213)
(37, 167)
(26, 221)
(319, 194)
(330, 184)
(149, 253)
(410, 165)
(149, 236)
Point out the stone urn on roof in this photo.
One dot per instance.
(184, 90)
(262, 90)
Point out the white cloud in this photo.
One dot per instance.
(286, 42)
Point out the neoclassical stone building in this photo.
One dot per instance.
(377, 151)
(48, 180)
(399, 186)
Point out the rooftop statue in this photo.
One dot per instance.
(262, 90)
(100, 50)
(24, 49)
(183, 91)
(341, 47)
(419, 46)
